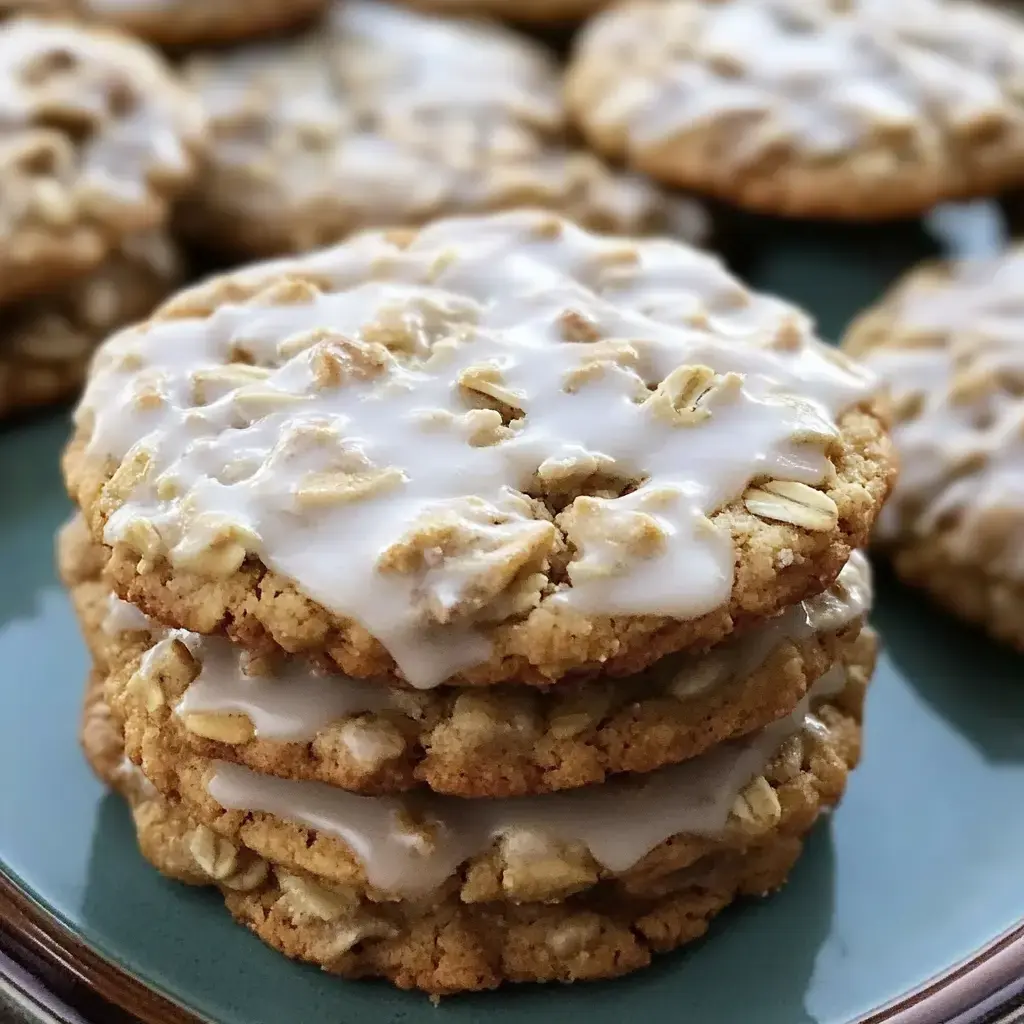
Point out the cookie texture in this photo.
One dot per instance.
(949, 341)
(99, 137)
(627, 835)
(46, 342)
(446, 438)
(294, 722)
(441, 946)
(863, 109)
(367, 121)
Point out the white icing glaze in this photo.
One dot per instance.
(123, 617)
(296, 704)
(961, 444)
(619, 822)
(487, 292)
(822, 78)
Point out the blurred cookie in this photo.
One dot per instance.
(949, 342)
(46, 343)
(369, 121)
(862, 109)
(494, 449)
(179, 23)
(533, 11)
(98, 138)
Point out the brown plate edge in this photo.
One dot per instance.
(43, 945)
(51, 948)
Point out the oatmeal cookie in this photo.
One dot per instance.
(46, 342)
(368, 122)
(441, 946)
(949, 342)
(168, 839)
(98, 138)
(627, 834)
(294, 722)
(863, 109)
(436, 454)
(180, 23)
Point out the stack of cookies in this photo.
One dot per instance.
(98, 138)
(479, 602)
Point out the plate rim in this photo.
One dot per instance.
(29, 924)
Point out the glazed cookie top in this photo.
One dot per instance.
(949, 342)
(97, 137)
(740, 96)
(368, 122)
(470, 442)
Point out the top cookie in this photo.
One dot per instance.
(534, 11)
(835, 108)
(369, 122)
(949, 341)
(180, 22)
(97, 137)
(497, 448)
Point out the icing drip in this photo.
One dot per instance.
(296, 703)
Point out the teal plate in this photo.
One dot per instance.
(915, 885)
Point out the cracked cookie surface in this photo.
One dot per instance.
(949, 342)
(435, 454)
(99, 137)
(367, 122)
(852, 110)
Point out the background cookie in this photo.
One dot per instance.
(856, 110)
(949, 342)
(98, 138)
(539, 11)
(179, 22)
(367, 121)
(568, 575)
(46, 343)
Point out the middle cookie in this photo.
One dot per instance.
(205, 696)
(384, 116)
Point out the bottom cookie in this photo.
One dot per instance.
(439, 944)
